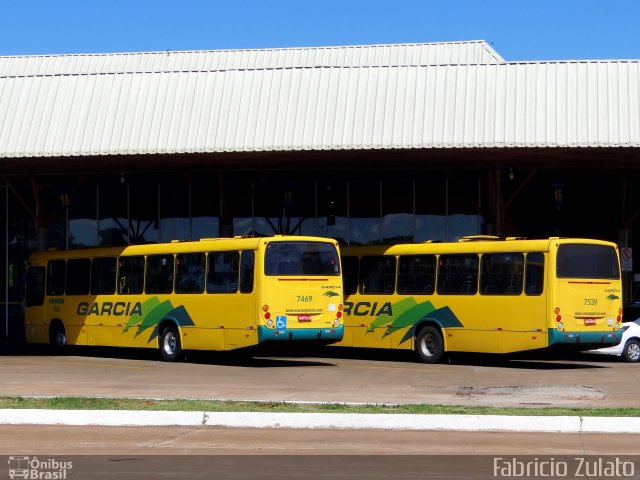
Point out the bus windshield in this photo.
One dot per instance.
(301, 258)
(577, 260)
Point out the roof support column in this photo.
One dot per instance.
(494, 207)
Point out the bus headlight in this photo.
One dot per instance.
(560, 326)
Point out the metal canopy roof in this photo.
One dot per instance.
(445, 53)
(425, 96)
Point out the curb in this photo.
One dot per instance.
(469, 423)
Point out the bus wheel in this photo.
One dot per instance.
(429, 345)
(631, 352)
(170, 347)
(57, 337)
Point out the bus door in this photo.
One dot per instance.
(36, 330)
(125, 317)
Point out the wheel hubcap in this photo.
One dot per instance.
(428, 345)
(633, 352)
(61, 339)
(170, 343)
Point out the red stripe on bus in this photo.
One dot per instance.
(593, 283)
(303, 279)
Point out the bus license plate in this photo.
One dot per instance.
(304, 318)
(589, 321)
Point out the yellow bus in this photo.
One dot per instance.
(212, 294)
(482, 294)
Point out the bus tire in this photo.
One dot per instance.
(429, 345)
(631, 352)
(170, 347)
(58, 340)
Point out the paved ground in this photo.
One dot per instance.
(362, 377)
(369, 377)
(59, 440)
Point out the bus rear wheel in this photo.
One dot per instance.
(170, 347)
(429, 345)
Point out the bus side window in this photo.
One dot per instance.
(501, 273)
(103, 276)
(159, 277)
(222, 272)
(247, 265)
(78, 276)
(534, 274)
(34, 295)
(350, 274)
(56, 272)
(190, 272)
(377, 274)
(416, 274)
(458, 274)
(130, 275)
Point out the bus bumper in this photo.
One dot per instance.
(586, 340)
(315, 335)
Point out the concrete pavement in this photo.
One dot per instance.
(582, 381)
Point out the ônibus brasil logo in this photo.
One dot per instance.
(33, 468)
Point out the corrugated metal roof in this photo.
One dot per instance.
(443, 53)
(551, 104)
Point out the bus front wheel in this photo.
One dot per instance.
(170, 347)
(429, 345)
(57, 337)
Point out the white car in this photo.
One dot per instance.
(629, 346)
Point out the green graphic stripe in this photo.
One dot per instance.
(409, 313)
(154, 312)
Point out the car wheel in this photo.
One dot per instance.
(631, 352)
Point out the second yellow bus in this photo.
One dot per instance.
(483, 295)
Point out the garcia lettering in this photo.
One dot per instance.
(362, 309)
(117, 309)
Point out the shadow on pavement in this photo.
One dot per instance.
(269, 356)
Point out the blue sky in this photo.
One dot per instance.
(517, 29)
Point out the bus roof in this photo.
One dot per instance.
(469, 245)
(203, 245)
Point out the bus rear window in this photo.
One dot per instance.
(587, 261)
(301, 258)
